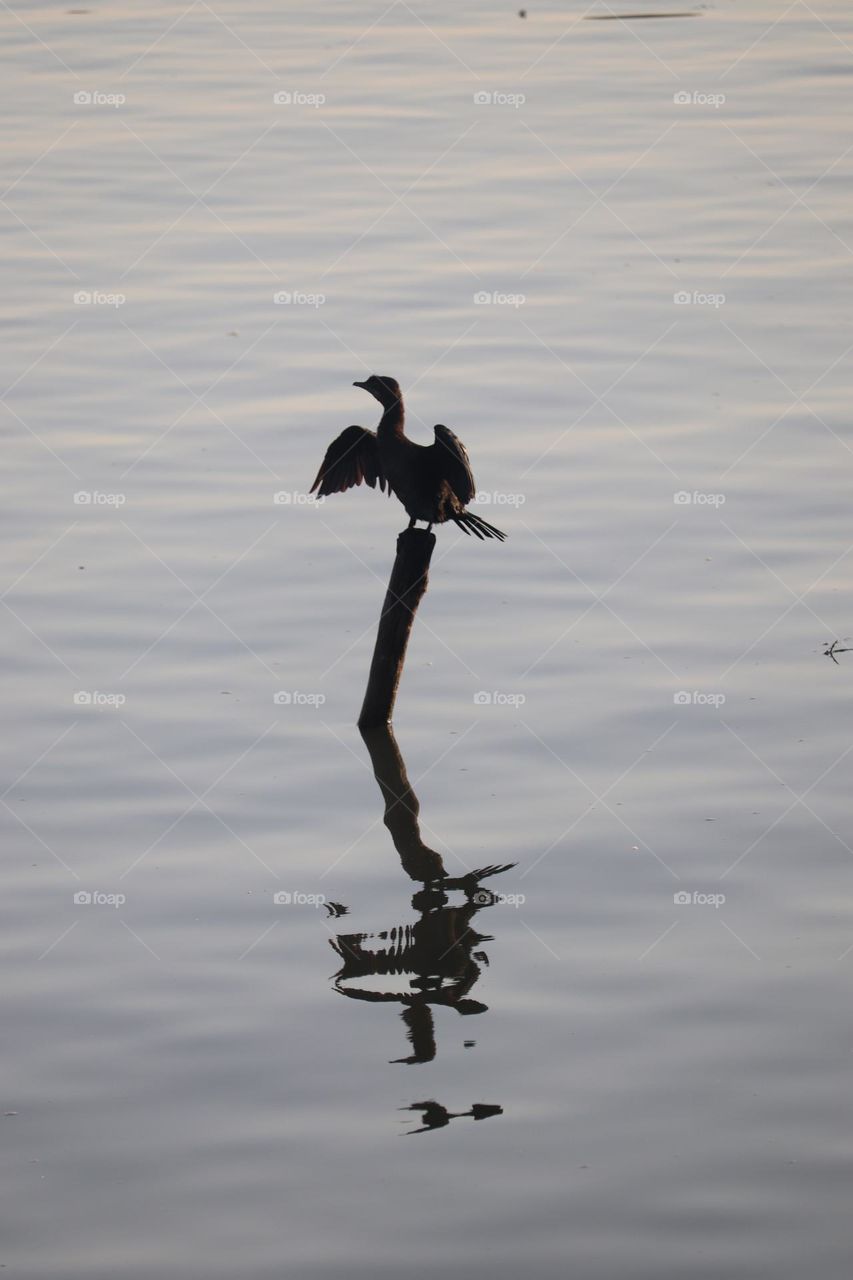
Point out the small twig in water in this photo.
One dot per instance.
(833, 649)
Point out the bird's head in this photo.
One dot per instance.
(386, 390)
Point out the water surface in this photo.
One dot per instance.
(627, 701)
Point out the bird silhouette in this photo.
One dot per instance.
(433, 482)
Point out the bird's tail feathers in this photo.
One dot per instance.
(479, 527)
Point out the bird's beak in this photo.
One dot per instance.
(360, 384)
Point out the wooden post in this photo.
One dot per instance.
(407, 585)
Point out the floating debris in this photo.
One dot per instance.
(436, 1116)
(631, 17)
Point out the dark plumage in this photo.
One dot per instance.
(433, 482)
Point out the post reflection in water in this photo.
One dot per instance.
(440, 951)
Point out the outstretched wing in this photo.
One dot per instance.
(452, 465)
(351, 458)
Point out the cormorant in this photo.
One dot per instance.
(433, 482)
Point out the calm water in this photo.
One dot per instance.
(621, 1083)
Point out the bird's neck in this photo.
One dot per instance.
(391, 422)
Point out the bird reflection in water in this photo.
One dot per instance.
(435, 1116)
(440, 951)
